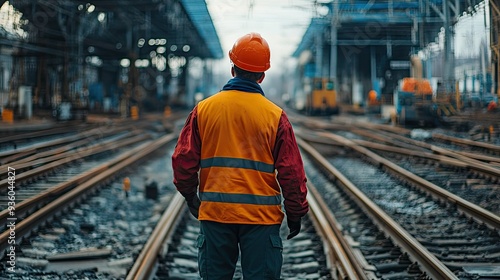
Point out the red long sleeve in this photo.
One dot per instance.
(291, 174)
(186, 157)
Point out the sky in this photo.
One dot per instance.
(281, 22)
(469, 32)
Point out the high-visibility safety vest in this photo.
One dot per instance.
(237, 177)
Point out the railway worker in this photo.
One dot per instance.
(245, 151)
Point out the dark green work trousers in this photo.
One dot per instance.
(261, 251)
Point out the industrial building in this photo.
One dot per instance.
(75, 56)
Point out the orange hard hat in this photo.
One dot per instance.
(251, 53)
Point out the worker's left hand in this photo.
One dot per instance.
(294, 227)
(193, 202)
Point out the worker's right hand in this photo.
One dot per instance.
(193, 203)
(294, 227)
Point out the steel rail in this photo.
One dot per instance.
(401, 134)
(444, 156)
(472, 163)
(26, 205)
(478, 213)
(466, 142)
(383, 127)
(65, 159)
(390, 138)
(36, 219)
(313, 137)
(8, 156)
(435, 149)
(51, 131)
(429, 263)
(158, 241)
(345, 125)
(405, 151)
(71, 142)
(400, 141)
(342, 261)
(483, 158)
(58, 153)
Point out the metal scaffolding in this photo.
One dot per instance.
(495, 41)
(384, 33)
(127, 45)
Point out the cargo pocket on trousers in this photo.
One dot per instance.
(202, 255)
(274, 258)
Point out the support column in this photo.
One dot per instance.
(333, 49)
(495, 42)
(373, 69)
(319, 54)
(449, 52)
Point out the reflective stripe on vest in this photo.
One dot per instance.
(240, 198)
(237, 163)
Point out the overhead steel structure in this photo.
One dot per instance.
(495, 41)
(127, 45)
(365, 45)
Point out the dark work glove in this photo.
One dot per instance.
(294, 227)
(193, 203)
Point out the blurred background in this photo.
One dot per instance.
(68, 58)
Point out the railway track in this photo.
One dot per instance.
(452, 171)
(96, 177)
(13, 140)
(318, 252)
(399, 254)
(40, 197)
(402, 137)
(42, 159)
(42, 190)
(381, 223)
(401, 195)
(61, 144)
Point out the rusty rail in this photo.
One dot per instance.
(430, 264)
(341, 260)
(478, 213)
(39, 217)
(144, 265)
